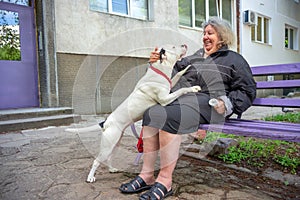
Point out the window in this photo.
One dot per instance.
(290, 39)
(133, 8)
(193, 13)
(10, 45)
(261, 31)
(19, 2)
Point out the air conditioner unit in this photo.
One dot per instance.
(249, 17)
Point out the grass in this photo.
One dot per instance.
(293, 117)
(262, 153)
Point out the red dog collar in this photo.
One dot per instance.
(162, 74)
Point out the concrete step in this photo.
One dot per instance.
(30, 118)
(24, 113)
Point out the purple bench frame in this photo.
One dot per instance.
(262, 129)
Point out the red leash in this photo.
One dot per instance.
(140, 143)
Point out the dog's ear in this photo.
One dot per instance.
(162, 54)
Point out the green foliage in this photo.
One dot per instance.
(8, 53)
(293, 117)
(260, 152)
(9, 43)
(287, 160)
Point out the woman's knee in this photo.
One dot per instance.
(155, 116)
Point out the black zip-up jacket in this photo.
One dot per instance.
(224, 72)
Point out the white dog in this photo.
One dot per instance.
(154, 87)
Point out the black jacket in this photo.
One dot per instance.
(224, 72)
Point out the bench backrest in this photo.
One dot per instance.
(269, 70)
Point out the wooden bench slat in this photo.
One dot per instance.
(293, 68)
(265, 126)
(262, 125)
(278, 84)
(269, 123)
(276, 102)
(253, 132)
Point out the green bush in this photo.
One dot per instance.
(259, 152)
(9, 53)
(9, 43)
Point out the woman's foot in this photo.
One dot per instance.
(157, 192)
(134, 186)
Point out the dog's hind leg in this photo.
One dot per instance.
(109, 139)
(91, 177)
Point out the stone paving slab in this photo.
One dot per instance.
(51, 164)
(55, 166)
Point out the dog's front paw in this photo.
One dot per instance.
(196, 88)
(91, 179)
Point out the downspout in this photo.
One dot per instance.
(238, 26)
(50, 54)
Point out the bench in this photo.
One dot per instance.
(259, 128)
(265, 129)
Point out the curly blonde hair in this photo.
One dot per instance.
(223, 29)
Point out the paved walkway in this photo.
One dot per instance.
(50, 163)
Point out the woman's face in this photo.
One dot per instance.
(210, 40)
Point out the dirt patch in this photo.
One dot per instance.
(234, 176)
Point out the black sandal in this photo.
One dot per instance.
(157, 190)
(134, 186)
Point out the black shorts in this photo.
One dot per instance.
(183, 115)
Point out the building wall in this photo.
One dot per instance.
(101, 56)
(83, 31)
(280, 12)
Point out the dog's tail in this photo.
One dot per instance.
(84, 130)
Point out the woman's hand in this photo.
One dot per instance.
(154, 56)
(220, 107)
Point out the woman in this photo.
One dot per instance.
(222, 74)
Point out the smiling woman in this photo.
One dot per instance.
(217, 33)
(222, 74)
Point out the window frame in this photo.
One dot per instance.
(109, 10)
(265, 37)
(219, 8)
(294, 38)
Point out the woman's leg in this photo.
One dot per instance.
(151, 148)
(169, 153)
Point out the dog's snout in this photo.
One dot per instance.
(184, 46)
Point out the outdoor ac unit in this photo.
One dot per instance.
(249, 17)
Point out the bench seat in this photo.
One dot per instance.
(257, 128)
(265, 129)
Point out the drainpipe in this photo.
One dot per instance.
(48, 73)
(239, 19)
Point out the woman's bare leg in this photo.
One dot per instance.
(169, 153)
(151, 148)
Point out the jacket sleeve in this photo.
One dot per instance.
(243, 88)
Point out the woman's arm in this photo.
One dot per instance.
(243, 88)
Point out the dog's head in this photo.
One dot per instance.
(172, 53)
